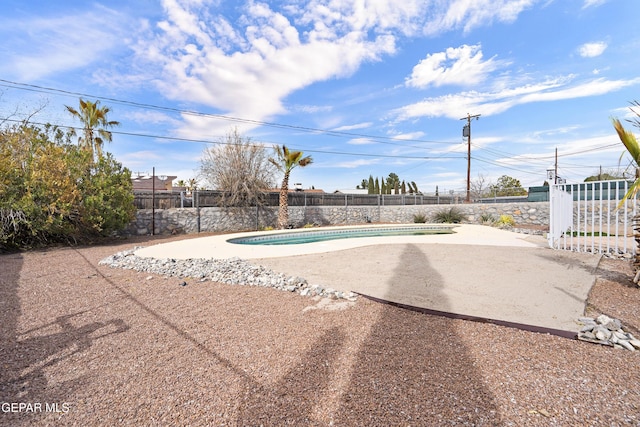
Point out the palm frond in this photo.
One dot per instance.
(629, 141)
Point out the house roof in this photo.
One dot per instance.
(146, 183)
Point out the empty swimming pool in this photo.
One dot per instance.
(311, 236)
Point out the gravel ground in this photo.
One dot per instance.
(83, 344)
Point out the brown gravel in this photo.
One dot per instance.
(115, 347)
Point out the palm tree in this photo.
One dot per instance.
(633, 147)
(285, 161)
(95, 122)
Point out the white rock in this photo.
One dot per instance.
(626, 345)
(602, 334)
(621, 335)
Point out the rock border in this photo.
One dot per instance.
(607, 331)
(232, 271)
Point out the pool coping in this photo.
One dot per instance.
(218, 247)
(265, 238)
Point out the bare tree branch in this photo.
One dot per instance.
(238, 168)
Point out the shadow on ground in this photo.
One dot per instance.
(410, 369)
(28, 352)
(395, 379)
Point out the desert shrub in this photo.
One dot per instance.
(107, 198)
(506, 221)
(487, 218)
(419, 218)
(55, 192)
(449, 216)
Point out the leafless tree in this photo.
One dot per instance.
(479, 186)
(239, 169)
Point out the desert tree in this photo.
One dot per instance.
(285, 161)
(370, 186)
(479, 186)
(507, 186)
(239, 169)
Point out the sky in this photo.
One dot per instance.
(365, 87)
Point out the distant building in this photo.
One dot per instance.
(352, 191)
(298, 190)
(146, 183)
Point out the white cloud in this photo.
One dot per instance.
(312, 109)
(467, 14)
(454, 106)
(61, 43)
(345, 128)
(575, 148)
(630, 112)
(593, 3)
(152, 117)
(407, 136)
(247, 66)
(356, 163)
(591, 50)
(456, 66)
(360, 141)
(265, 63)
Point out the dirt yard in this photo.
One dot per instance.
(87, 345)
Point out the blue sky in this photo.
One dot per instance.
(366, 87)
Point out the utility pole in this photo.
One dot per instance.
(466, 131)
(555, 177)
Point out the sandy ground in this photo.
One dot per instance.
(476, 271)
(533, 286)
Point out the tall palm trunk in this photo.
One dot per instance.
(283, 210)
(285, 161)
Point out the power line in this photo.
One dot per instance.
(542, 158)
(373, 138)
(480, 159)
(202, 141)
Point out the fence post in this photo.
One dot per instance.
(346, 210)
(196, 196)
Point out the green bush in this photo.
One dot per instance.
(419, 218)
(54, 192)
(449, 216)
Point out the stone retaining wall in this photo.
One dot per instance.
(192, 220)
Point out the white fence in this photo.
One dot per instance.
(585, 217)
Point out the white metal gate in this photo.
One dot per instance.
(584, 217)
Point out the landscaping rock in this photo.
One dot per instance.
(607, 331)
(233, 271)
